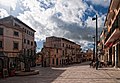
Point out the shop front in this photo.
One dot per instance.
(4, 66)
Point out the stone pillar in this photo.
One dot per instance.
(113, 56)
(108, 55)
(116, 57)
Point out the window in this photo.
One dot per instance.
(27, 32)
(28, 42)
(1, 44)
(1, 31)
(54, 45)
(60, 62)
(56, 50)
(53, 61)
(63, 52)
(33, 34)
(67, 45)
(25, 41)
(31, 43)
(16, 33)
(63, 44)
(57, 61)
(15, 45)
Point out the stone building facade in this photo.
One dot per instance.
(110, 36)
(59, 51)
(16, 41)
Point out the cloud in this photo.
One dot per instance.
(3, 13)
(104, 3)
(71, 19)
(72, 10)
(73, 30)
(8, 5)
(92, 23)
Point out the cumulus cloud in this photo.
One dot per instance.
(91, 23)
(3, 13)
(74, 30)
(70, 19)
(8, 5)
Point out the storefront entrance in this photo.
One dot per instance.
(4, 66)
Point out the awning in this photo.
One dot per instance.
(114, 36)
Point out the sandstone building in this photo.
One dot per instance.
(59, 51)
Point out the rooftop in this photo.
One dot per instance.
(15, 18)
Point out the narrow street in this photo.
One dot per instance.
(77, 73)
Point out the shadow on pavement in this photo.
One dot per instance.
(46, 75)
(80, 64)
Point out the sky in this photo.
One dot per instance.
(70, 19)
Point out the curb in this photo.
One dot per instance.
(23, 73)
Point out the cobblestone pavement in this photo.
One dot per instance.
(78, 73)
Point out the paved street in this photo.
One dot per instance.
(77, 73)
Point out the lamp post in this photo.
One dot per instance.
(94, 49)
(96, 42)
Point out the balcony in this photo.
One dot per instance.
(114, 34)
(114, 26)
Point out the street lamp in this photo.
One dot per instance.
(96, 42)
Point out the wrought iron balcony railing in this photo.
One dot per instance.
(114, 26)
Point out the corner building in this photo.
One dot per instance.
(60, 51)
(16, 41)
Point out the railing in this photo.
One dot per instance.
(114, 26)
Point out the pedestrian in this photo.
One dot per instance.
(97, 64)
(91, 63)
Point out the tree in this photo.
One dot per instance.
(26, 60)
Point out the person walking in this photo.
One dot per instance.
(97, 64)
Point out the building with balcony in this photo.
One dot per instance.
(17, 41)
(111, 35)
(60, 51)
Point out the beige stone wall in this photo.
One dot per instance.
(27, 36)
(70, 49)
(8, 38)
(54, 55)
(9, 26)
